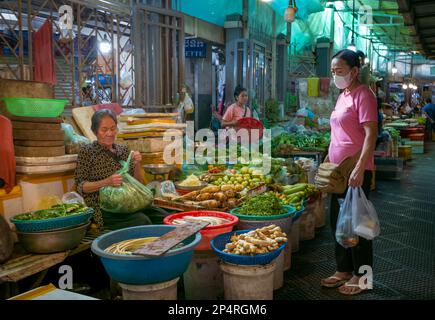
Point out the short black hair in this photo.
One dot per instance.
(239, 89)
(360, 54)
(98, 116)
(350, 57)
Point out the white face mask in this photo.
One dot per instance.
(343, 82)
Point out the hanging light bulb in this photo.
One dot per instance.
(404, 86)
(105, 46)
(352, 47)
(394, 70)
(290, 12)
(366, 60)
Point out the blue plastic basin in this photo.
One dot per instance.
(139, 270)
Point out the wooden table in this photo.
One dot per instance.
(24, 264)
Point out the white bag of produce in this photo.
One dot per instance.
(365, 221)
(344, 233)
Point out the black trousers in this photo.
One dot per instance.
(351, 259)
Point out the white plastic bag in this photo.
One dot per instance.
(365, 221)
(344, 233)
(72, 197)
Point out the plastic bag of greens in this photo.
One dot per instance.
(344, 233)
(365, 221)
(130, 197)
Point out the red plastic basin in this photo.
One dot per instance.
(210, 232)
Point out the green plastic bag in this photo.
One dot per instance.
(130, 197)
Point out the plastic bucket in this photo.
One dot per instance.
(159, 291)
(278, 274)
(203, 278)
(210, 232)
(307, 222)
(288, 252)
(248, 282)
(320, 211)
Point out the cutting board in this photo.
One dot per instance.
(35, 125)
(57, 168)
(45, 161)
(82, 117)
(148, 115)
(170, 239)
(39, 151)
(34, 143)
(39, 120)
(152, 126)
(39, 135)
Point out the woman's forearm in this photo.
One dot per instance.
(229, 123)
(90, 187)
(369, 145)
(138, 173)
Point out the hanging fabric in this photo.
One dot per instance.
(43, 58)
(324, 85)
(7, 154)
(313, 87)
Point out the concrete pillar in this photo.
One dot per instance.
(282, 67)
(323, 57)
(233, 32)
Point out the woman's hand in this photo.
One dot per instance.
(114, 180)
(137, 158)
(356, 177)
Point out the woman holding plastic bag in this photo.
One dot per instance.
(104, 167)
(353, 131)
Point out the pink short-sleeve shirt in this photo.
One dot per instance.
(347, 132)
(235, 112)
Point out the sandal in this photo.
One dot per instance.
(338, 283)
(353, 292)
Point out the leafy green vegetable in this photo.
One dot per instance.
(265, 204)
(56, 211)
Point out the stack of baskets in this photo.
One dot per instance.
(36, 126)
(54, 234)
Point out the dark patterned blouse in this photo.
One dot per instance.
(95, 163)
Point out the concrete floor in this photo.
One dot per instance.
(404, 253)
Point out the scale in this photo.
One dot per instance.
(159, 171)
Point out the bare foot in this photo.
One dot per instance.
(336, 280)
(351, 287)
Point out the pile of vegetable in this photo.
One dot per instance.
(249, 178)
(214, 221)
(306, 141)
(295, 195)
(257, 241)
(265, 204)
(225, 196)
(272, 110)
(190, 181)
(56, 211)
(393, 132)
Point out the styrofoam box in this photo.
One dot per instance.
(34, 189)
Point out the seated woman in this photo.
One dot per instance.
(97, 165)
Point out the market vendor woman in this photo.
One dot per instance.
(353, 131)
(237, 110)
(97, 165)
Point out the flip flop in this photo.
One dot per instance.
(352, 293)
(338, 283)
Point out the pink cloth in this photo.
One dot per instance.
(43, 59)
(347, 131)
(7, 154)
(234, 112)
(115, 107)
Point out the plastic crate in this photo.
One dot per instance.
(218, 245)
(39, 108)
(31, 226)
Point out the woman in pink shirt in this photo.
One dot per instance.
(237, 110)
(353, 130)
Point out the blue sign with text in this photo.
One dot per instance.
(195, 49)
